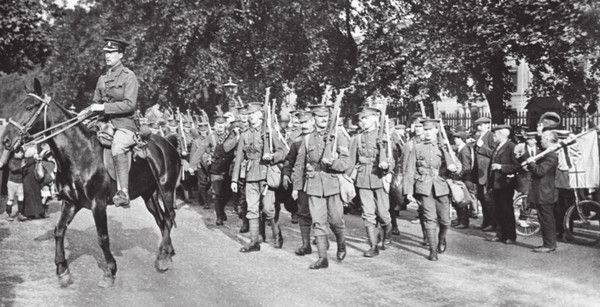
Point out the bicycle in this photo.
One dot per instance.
(581, 220)
(526, 222)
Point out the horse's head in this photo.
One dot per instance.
(25, 118)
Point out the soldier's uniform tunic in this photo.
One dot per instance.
(364, 152)
(221, 149)
(321, 183)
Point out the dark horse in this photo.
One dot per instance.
(83, 180)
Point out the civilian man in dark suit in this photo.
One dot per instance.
(543, 193)
(503, 165)
(484, 147)
(465, 155)
(524, 151)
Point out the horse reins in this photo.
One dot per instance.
(42, 136)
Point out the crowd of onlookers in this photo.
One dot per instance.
(28, 174)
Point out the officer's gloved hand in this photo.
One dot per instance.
(234, 187)
(295, 194)
(384, 165)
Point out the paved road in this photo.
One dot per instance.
(208, 270)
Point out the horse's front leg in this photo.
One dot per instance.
(99, 213)
(68, 212)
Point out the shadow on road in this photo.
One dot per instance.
(7, 286)
(81, 243)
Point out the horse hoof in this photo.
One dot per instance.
(162, 265)
(65, 279)
(106, 282)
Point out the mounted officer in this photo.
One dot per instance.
(116, 95)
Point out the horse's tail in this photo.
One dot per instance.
(169, 210)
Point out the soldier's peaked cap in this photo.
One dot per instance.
(429, 123)
(320, 109)
(366, 111)
(304, 116)
(254, 107)
(114, 44)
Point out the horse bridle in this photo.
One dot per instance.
(45, 134)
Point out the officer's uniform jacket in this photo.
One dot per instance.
(364, 154)
(424, 166)
(310, 174)
(222, 151)
(117, 89)
(249, 154)
(292, 155)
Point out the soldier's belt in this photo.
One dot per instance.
(253, 156)
(367, 160)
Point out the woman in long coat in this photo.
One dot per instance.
(32, 204)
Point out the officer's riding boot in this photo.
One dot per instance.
(341, 245)
(322, 262)
(441, 247)
(277, 237)
(121, 161)
(387, 236)
(372, 235)
(305, 249)
(432, 238)
(254, 244)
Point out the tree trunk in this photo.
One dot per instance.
(495, 96)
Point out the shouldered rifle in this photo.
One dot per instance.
(446, 141)
(205, 119)
(383, 157)
(331, 138)
(191, 119)
(267, 148)
(388, 131)
(184, 145)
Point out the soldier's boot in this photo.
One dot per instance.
(340, 238)
(387, 236)
(305, 248)
(425, 240)
(441, 246)
(462, 218)
(277, 237)
(202, 197)
(254, 244)
(322, 262)
(372, 234)
(122, 164)
(261, 228)
(432, 238)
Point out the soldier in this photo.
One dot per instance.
(222, 145)
(318, 177)
(239, 198)
(116, 95)
(307, 123)
(371, 174)
(250, 153)
(200, 163)
(424, 184)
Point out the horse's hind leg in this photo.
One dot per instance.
(165, 250)
(99, 213)
(68, 212)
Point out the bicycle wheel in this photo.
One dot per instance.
(584, 229)
(526, 222)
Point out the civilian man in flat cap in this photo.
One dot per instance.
(250, 152)
(222, 150)
(318, 176)
(116, 95)
(307, 126)
(371, 174)
(424, 184)
(484, 146)
(503, 165)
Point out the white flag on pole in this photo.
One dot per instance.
(585, 168)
